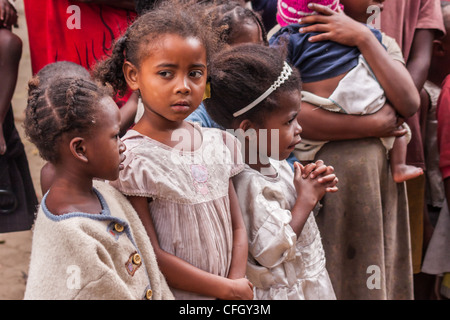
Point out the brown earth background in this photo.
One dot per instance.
(15, 247)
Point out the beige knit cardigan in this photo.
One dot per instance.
(93, 256)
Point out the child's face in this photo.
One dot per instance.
(357, 9)
(283, 129)
(104, 147)
(172, 78)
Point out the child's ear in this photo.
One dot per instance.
(246, 124)
(130, 73)
(248, 129)
(78, 149)
(438, 48)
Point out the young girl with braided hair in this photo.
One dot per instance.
(286, 259)
(88, 242)
(177, 175)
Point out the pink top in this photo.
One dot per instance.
(189, 191)
(289, 11)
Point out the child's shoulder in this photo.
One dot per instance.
(133, 138)
(219, 135)
(139, 145)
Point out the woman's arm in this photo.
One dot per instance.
(395, 79)
(182, 275)
(320, 124)
(240, 240)
(419, 60)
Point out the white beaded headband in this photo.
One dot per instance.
(284, 75)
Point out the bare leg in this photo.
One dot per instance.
(400, 170)
(10, 54)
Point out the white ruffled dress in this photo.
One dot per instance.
(280, 265)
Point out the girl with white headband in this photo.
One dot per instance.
(258, 95)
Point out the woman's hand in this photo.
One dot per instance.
(8, 14)
(333, 25)
(386, 123)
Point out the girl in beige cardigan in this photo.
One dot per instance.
(88, 242)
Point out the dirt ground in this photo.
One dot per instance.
(15, 247)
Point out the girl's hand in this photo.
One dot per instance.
(322, 172)
(334, 25)
(314, 169)
(241, 289)
(316, 184)
(319, 180)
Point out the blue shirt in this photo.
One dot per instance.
(201, 116)
(317, 60)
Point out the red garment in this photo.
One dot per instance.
(85, 35)
(51, 39)
(400, 19)
(443, 118)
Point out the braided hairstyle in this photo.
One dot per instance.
(183, 18)
(62, 68)
(239, 75)
(228, 18)
(62, 105)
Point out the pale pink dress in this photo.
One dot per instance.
(190, 207)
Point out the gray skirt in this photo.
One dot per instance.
(365, 225)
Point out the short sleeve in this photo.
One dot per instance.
(136, 177)
(392, 48)
(430, 16)
(235, 148)
(271, 238)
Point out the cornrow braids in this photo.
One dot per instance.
(239, 75)
(63, 105)
(230, 16)
(183, 18)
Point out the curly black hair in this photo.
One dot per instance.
(183, 18)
